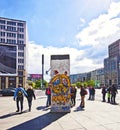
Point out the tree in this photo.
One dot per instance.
(31, 83)
(91, 83)
(38, 84)
(78, 84)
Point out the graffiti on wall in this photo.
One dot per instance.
(60, 91)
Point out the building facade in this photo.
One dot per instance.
(112, 64)
(96, 75)
(12, 52)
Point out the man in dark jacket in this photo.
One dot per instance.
(83, 92)
(31, 95)
(104, 93)
(113, 94)
(73, 91)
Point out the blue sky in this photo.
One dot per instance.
(81, 28)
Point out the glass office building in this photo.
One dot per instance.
(112, 64)
(12, 52)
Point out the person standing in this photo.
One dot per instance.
(113, 94)
(92, 93)
(73, 91)
(108, 94)
(104, 93)
(48, 93)
(83, 92)
(89, 90)
(31, 95)
(19, 96)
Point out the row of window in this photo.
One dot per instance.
(21, 47)
(20, 67)
(110, 66)
(12, 35)
(11, 28)
(11, 41)
(20, 54)
(11, 23)
(20, 60)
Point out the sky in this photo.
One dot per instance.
(81, 28)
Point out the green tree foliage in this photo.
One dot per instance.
(31, 83)
(86, 83)
(78, 84)
(91, 83)
(38, 84)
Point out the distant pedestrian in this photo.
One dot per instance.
(73, 91)
(89, 90)
(48, 93)
(83, 92)
(113, 94)
(92, 93)
(31, 95)
(104, 94)
(108, 94)
(19, 96)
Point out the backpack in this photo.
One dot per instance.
(48, 91)
(85, 92)
(20, 93)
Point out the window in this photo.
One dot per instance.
(2, 34)
(11, 41)
(20, 24)
(11, 23)
(20, 73)
(20, 67)
(2, 40)
(21, 47)
(9, 28)
(11, 35)
(20, 36)
(20, 60)
(20, 54)
(2, 27)
(20, 29)
(2, 21)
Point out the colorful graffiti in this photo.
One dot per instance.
(60, 91)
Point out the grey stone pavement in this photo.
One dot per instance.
(97, 115)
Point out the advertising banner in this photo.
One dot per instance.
(8, 59)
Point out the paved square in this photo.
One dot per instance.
(97, 115)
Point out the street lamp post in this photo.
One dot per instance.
(42, 71)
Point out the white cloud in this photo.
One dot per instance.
(105, 26)
(95, 39)
(78, 63)
(101, 32)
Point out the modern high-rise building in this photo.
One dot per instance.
(112, 64)
(13, 44)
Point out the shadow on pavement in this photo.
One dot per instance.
(39, 122)
(78, 109)
(41, 107)
(44, 108)
(12, 114)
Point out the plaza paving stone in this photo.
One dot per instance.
(97, 115)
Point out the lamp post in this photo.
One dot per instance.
(42, 71)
